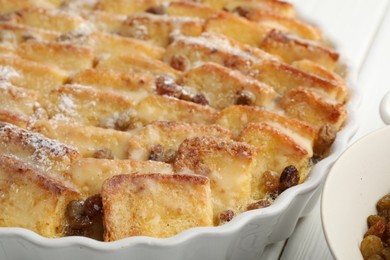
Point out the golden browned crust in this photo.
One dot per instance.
(29, 74)
(291, 49)
(309, 106)
(30, 147)
(161, 205)
(31, 199)
(230, 183)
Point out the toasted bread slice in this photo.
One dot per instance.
(230, 182)
(166, 138)
(163, 108)
(30, 199)
(156, 205)
(7, 49)
(279, 22)
(275, 151)
(320, 71)
(224, 87)
(134, 85)
(18, 105)
(137, 63)
(190, 9)
(291, 48)
(68, 57)
(86, 105)
(283, 77)
(11, 6)
(50, 19)
(160, 29)
(13, 34)
(29, 74)
(106, 43)
(235, 118)
(90, 141)
(311, 107)
(103, 21)
(273, 6)
(187, 52)
(51, 156)
(89, 174)
(126, 7)
(237, 28)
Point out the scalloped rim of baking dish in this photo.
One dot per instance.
(316, 177)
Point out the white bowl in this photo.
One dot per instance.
(359, 178)
(245, 237)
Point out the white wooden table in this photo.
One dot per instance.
(362, 28)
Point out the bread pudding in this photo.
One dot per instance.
(147, 118)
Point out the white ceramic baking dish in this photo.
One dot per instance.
(245, 237)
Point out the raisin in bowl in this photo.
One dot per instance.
(357, 181)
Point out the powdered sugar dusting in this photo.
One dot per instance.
(79, 4)
(42, 149)
(7, 73)
(218, 43)
(66, 105)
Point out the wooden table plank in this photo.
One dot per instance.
(308, 241)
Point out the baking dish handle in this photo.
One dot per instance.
(384, 108)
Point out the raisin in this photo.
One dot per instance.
(69, 231)
(371, 245)
(75, 215)
(104, 154)
(241, 11)
(85, 218)
(179, 63)
(167, 87)
(378, 229)
(259, 204)
(386, 253)
(388, 230)
(200, 99)
(325, 138)
(245, 97)
(29, 37)
(372, 219)
(226, 216)
(156, 152)
(169, 156)
(156, 10)
(288, 178)
(76, 37)
(125, 121)
(93, 206)
(384, 203)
